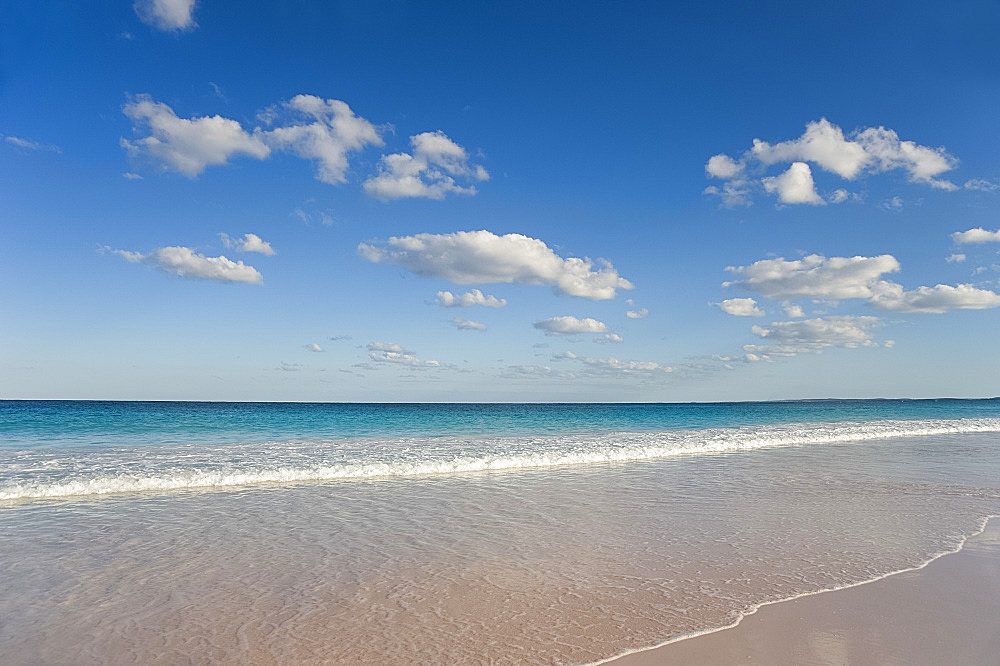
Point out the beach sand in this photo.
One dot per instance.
(945, 613)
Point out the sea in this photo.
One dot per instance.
(196, 532)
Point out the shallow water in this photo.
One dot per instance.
(557, 564)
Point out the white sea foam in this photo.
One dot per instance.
(37, 474)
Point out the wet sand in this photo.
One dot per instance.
(946, 612)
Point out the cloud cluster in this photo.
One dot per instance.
(616, 367)
(567, 325)
(325, 131)
(468, 257)
(167, 15)
(823, 144)
(837, 278)
(814, 276)
(249, 243)
(390, 352)
(472, 297)
(429, 172)
(790, 338)
(186, 263)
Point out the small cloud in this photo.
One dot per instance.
(637, 314)
(429, 172)
(313, 347)
(955, 258)
(128, 175)
(610, 337)
(466, 325)
(977, 235)
(390, 352)
(794, 186)
(740, 307)
(249, 243)
(982, 185)
(723, 166)
(838, 196)
(289, 367)
(894, 203)
(793, 311)
(567, 325)
(473, 297)
(166, 15)
(186, 263)
(338, 338)
(28, 144)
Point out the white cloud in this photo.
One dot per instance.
(637, 314)
(610, 337)
(571, 326)
(428, 172)
(895, 203)
(733, 193)
(331, 130)
(982, 185)
(977, 235)
(934, 300)
(290, 367)
(188, 146)
(795, 186)
(814, 276)
(467, 257)
(249, 243)
(390, 352)
(128, 175)
(466, 325)
(186, 263)
(534, 372)
(472, 297)
(822, 143)
(955, 258)
(723, 166)
(789, 338)
(871, 150)
(875, 148)
(166, 14)
(616, 367)
(316, 129)
(887, 152)
(741, 307)
(313, 347)
(793, 311)
(838, 196)
(28, 144)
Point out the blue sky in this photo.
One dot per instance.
(370, 201)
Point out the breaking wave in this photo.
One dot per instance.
(34, 473)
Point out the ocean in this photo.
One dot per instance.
(459, 533)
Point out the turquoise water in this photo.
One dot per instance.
(52, 449)
(475, 534)
(102, 423)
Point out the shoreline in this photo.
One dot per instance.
(716, 643)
